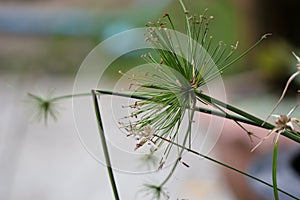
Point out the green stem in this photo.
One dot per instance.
(258, 122)
(197, 108)
(246, 117)
(104, 146)
(128, 95)
(189, 34)
(70, 96)
(226, 166)
(274, 170)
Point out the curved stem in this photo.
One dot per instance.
(282, 95)
(274, 170)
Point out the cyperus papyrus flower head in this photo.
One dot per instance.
(282, 123)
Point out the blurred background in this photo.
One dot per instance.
(43, 43)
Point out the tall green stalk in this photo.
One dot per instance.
(104, 146)
(274, 171)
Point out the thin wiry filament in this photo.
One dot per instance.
(282, 95)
